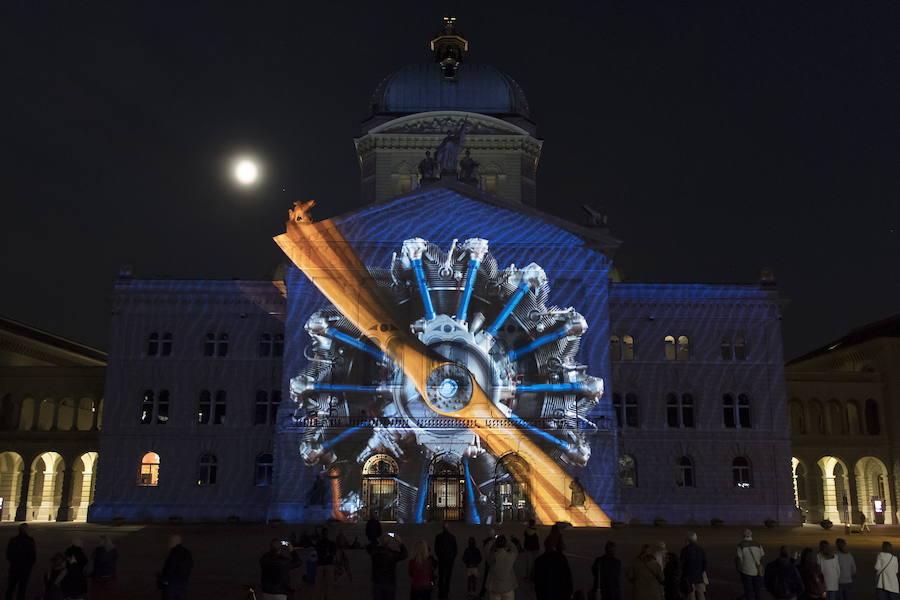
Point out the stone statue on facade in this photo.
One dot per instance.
(428, 168)
(447, 153)
(467, 168)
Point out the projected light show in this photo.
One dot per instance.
(442, 387)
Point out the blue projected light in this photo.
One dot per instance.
(510, 306)
(531, 347)
(471, 511)
(423, 288)
(539, 432)
(358, 344)
(467, 292)
(552, 387)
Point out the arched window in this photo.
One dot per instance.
(615, 348)
(679, 410)
(87, 408)
(206, 472)
(744, 411)
(798, 423)
(264, 469)
(26, 414)
(684, 348)
(148, 473)
(740, 471)
(836, 416)
(627, 471)
(46, 414)
(816, 418)
(627, 347)
(209, 345)
(212, 408)
(727, 352)
(853, 418)
(873, 423)
(684, 472)
(669, 342)
(153, 344)
(740, 348)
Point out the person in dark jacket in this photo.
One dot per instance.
(693, 568)
(782, 579)
(74, 583)
(445, 551)
(326, 550)
(672, 577)
(53, 578)
(20, 554)
(275, 569)
(386, 552)
(811, 576)
(552, 576)
(607, 572)
(373, 529)
(471, 559)
(103, 574)
(173, 580)
(532, 547)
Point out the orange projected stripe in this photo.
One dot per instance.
(326, 258)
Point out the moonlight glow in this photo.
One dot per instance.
(246, 172)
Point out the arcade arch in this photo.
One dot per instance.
(84, 471)
(11, 470)
(380, 487)
(45, 487)
(511, 477)
(873, 490)
(835, 489)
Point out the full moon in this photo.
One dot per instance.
(246, 172)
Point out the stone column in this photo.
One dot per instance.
(22, 508)
(65, 500)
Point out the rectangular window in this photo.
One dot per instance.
(278, 346)
(265, 345)
(204, 407)
(209, 345)
(219, 408)
(631, 410)
(222, 347)
(162, 408)
(166, 344)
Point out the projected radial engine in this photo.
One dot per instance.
(489, 330)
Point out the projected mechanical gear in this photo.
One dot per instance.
(493, 327)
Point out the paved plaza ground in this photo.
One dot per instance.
(226, 556)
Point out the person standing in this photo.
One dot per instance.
(749, 564)
(501, 580)
(385, 553)
(74, 583)
(421, 572)
(275, 568)
(471, 559)
(811, 574)
(103, 574)
(831, 569)
(886, 585)
(848, 569)
(532, 546)
(176, 571)
(373, 529)
(554, 539)
(607, 572)
(21, 554)
(53, 578)
(326, 551)
(646, 576)
(693, 567)
(552, 576)
(782, 579)
(445, 549)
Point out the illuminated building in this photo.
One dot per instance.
(841, 398)
(51, 401)
(483, 363)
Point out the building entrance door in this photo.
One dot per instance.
(446, 493)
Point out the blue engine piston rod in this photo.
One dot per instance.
(413, 249)
(532, 277)
(477, 248)
(590, 386)
(575, 325)
(318, 325)
(305, 385)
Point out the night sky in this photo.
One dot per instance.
(720, 139)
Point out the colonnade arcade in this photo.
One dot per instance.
(830, 488)
(46, 486)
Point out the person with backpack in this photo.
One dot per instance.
(831, 569)
(848, 569)
(749, 563)
(886, 585)
(813, 579)
(782, 579)
(471, 559)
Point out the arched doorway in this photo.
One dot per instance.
(835, 489)
(873, 491)
(446, 487)
(45, 487)
(11, 468)
(379, 487)
(83, 480)
(511, 494)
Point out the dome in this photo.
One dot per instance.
(475, 88)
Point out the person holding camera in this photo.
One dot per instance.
(275, 570)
